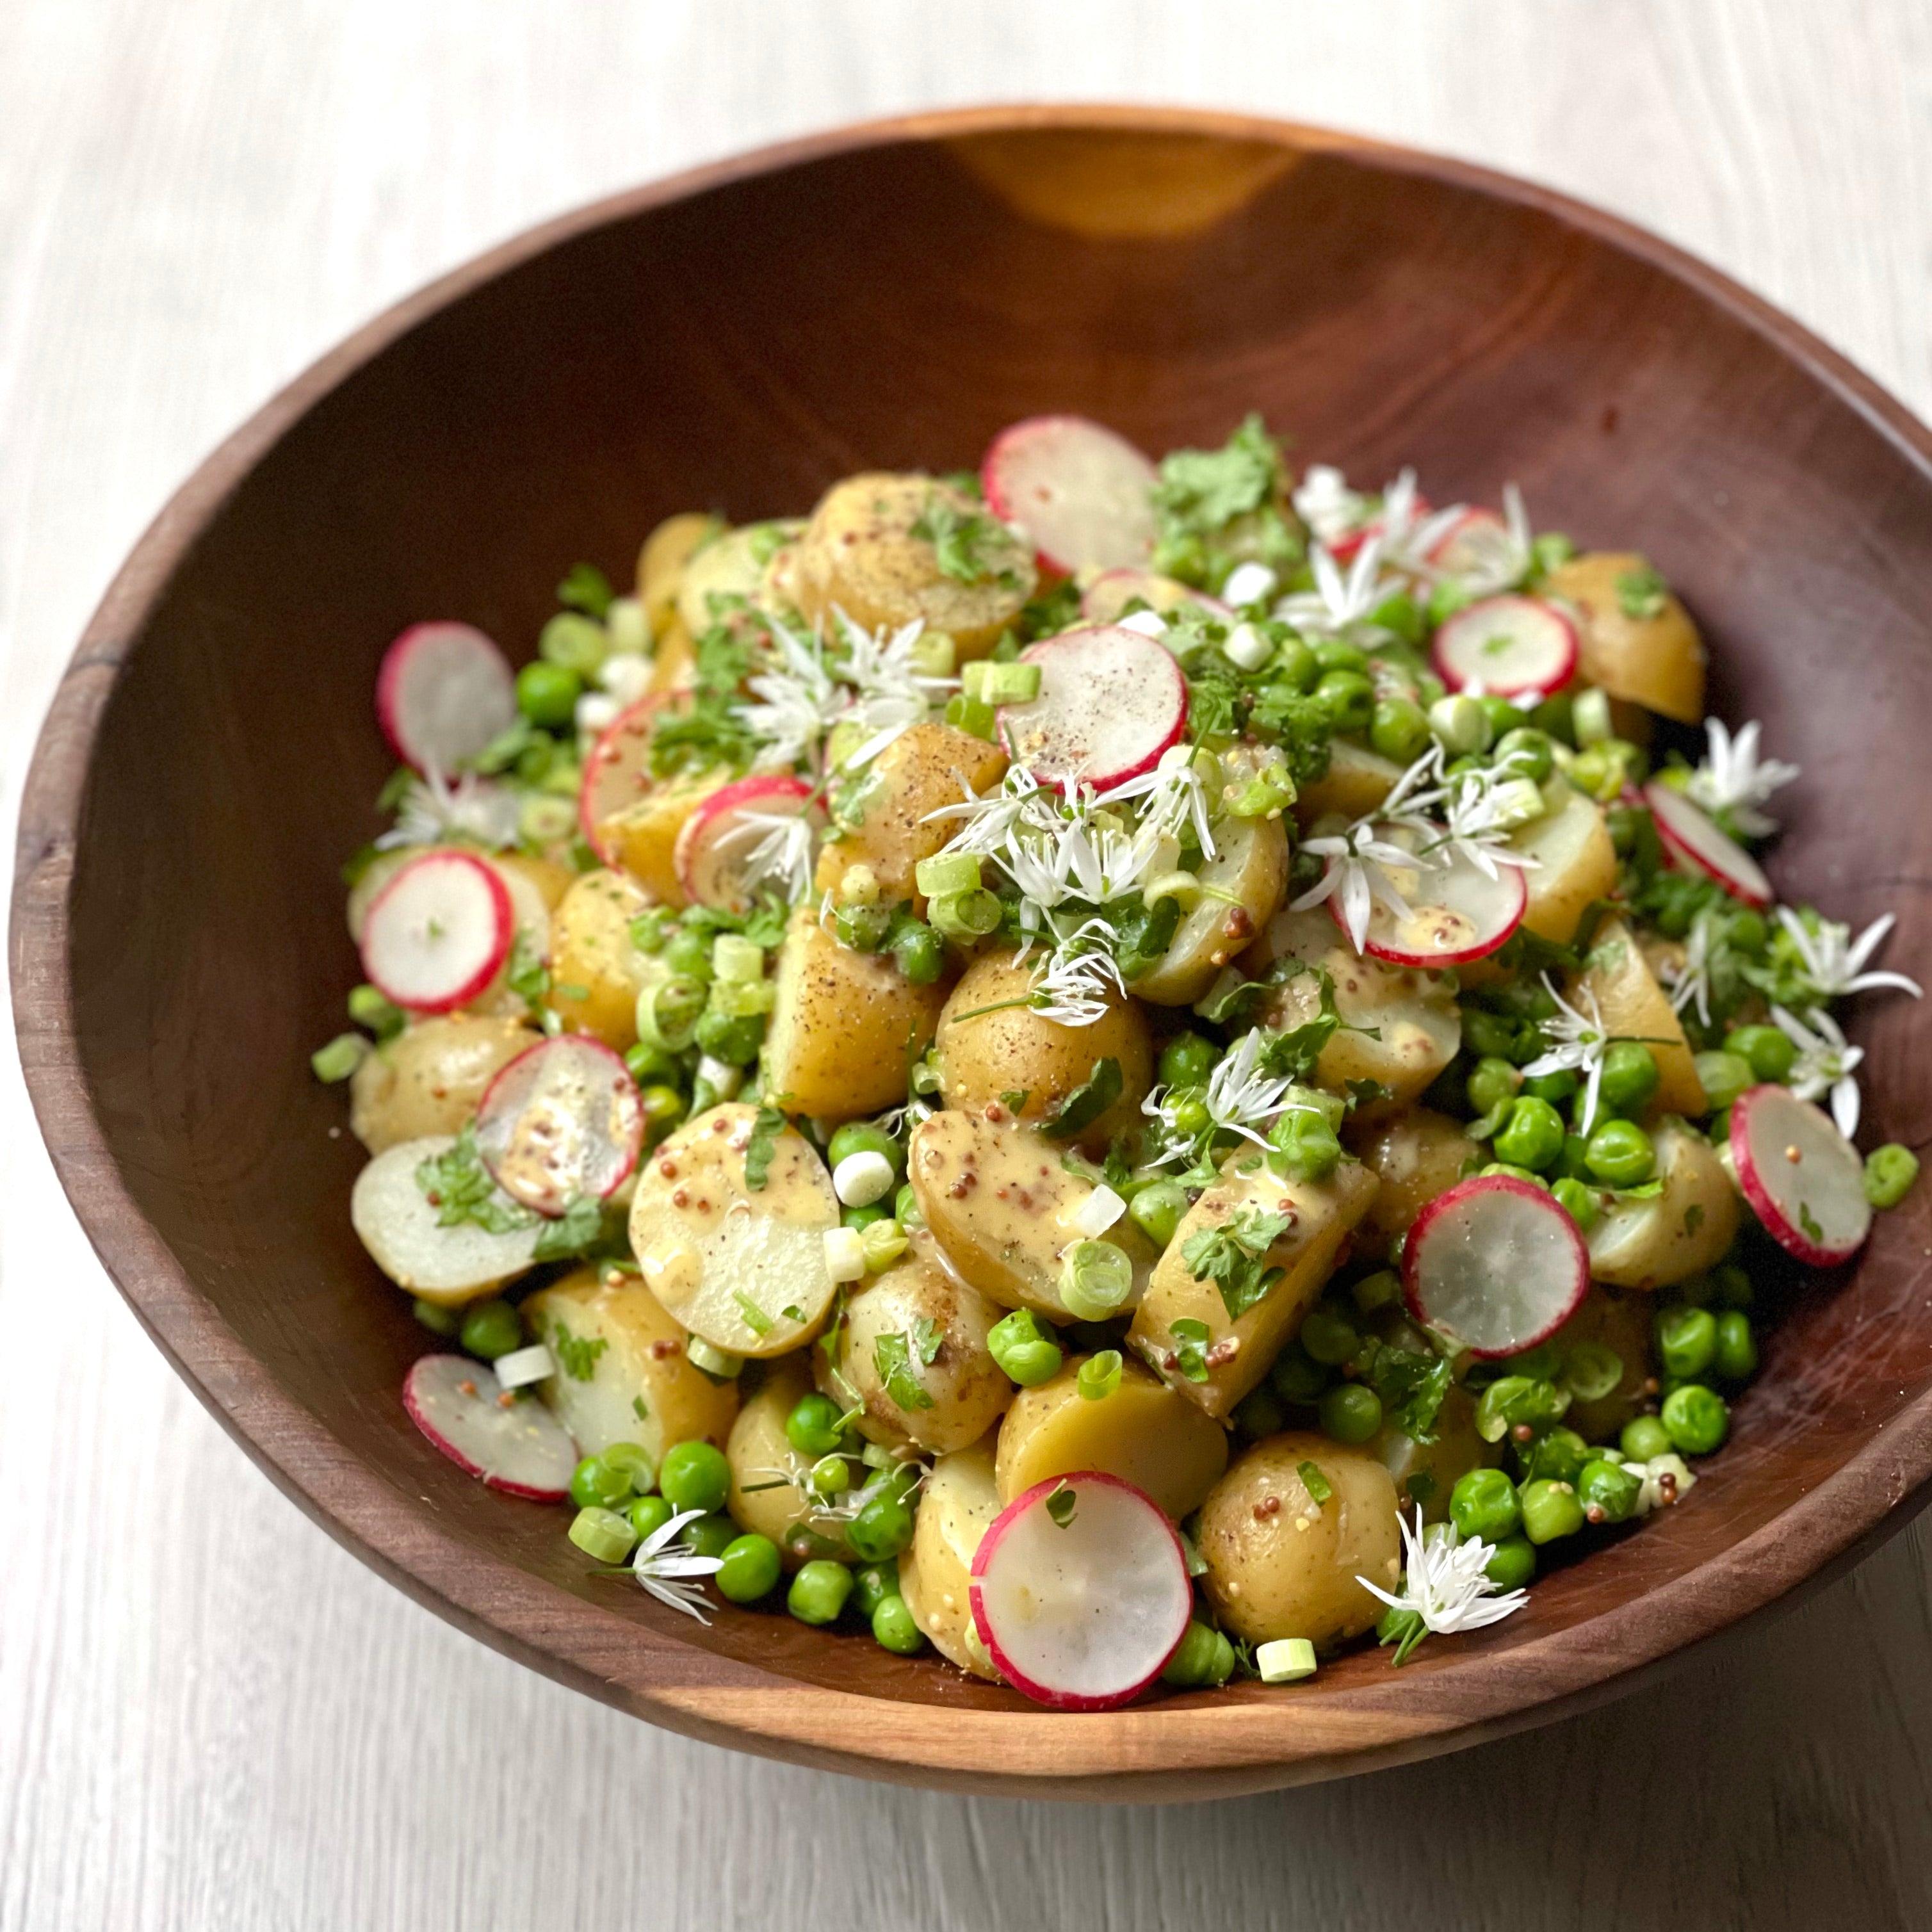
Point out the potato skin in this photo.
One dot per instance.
(1416, 1156)
(1576, 864)
(845, 1026)
(969, 1391)
(1269, 1576)
(591, 955)
(758, 1451)
(643, 837)
(1143, 1432)
(1617, 975)
(729, 566)
(1017, 1050)
(1688, 1228)
(960, 1500)
(858, 554)
(429, 1078)
(1657, 662)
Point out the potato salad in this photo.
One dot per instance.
(1116, 1072)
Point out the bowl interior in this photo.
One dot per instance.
(890, 302)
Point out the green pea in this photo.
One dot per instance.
(688, 953)
(749, 1570)
(1643, 1437)
(1697, 1419)
(905, 1208)
(1350, 1412)
(633, 1459)
(1489, 1037)
(1687, 1340)
(881, 1529)
(1295, 663)
(648, 1515)
(1329, 1338)
(873, 1584)
(1338, 654)
(1559, 1456)
(437, 1318)
(1630, 1076)
(1574, 1160)
(1348, 698)
(694, 1475)
(1608, 1492)
(1577, 1201)
(829, 1477)
(547, 694)
(709, 1535)
(1503, 715)
(1484, 1504)
(818, 1591)
(895, 1628)
(812, 1427)
(1187, 1059)
(1259, 1413)
(860, 1218)
(1770, 1056)
(1620, 1154)
(1191, 1117)
(1890, 1171)
(1723, 1076)
(1555, 1088)
(1532, 1137)
(664, 1108)
(1379, 1290)
(1733, 1285)
(1512, 1564)
(1156, 1210)
(1297, 1377)
(1550, 1510)
(594, 1483)
(1398, 729)
(1735, 1359)
(491, 1328)
(1023, 1349)
(1526, 751)
(1492, 1082)
(861, 1137)
(578, 642)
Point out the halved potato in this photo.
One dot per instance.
(622, 1375)
(1251, 865)
(429, 1078)
(1688, 1228)
(1634, 1007)
(744, 1267)
(730, 565)
(1575, 863)
(1655, 661)
(956, 1508)
(1425, 1472)
(594, 969)
(771, 1495)
(396, 1221)
(661, 562)
(643, 837)
(1356, 780)
(1416, 1156)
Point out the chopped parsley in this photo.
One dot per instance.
(1190, 1348)
(1317, 1486)
(1217, 507)
(577, 1354)
(959, 540)
(457, 1184)
(1087, 1102)
(526, 975)
(1234, 1256)
(578, 1229)
(894, 1356)
(1410, 1384)
(585, 588)
(763, 1144)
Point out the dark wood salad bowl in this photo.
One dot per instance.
(887, 297)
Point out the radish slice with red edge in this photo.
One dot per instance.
(1694, 842)
(438, 933)
(1081, 1592)
(617, 773)
(516, 1446)
(562, 1122)
(1460, 914)
(1803, 1179)
(1470, 544)
(717, 857)
(443, 692)
(1079, 491)
(1509, 645)
(1111, 701)
(1495, 1264)
(1112, 591)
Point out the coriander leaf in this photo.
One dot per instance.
(1061, 1502)
(1014, 1100)
(1198, 490)
(1189, 1359)
(585, 588)
(1317, 1486)
(1224, 1008)
(1300, 725)
(526, 975)
(579, 1227)
(1291, 1054)
(1410, 1384)
(641, 1409)
(927, 1335)
(892, 1357)
(576, 1354)
(461, 1188)
(763, 1144)
(1087, 1102)
(1234, 1256)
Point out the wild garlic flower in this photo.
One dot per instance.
(1361, 860)
(476, 811)
(667, 1568)
(1081, 982)
(1835, 962)
(1580, 1044)
(1338, 602)
(1488, 557)
(783, 856)
(1689, 983)
(1240, 1099)
(889, 692)
(1824, 1064)
(1171, 799)
(1480, 809)
(1734, 779)
(798, 702)
(1444, 1583)
(1325, 503)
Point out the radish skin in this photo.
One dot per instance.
(443, 692)
(1079, 490)
(516, 1446)
(438, 932)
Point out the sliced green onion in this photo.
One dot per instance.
(934, 654)
(340, 1057)
(719, 1363)
(1286, 1660)
(1096, 1277)
(1007, 683)
(1183, 888)
(966, 916)
(947, 874)
(1591, 717)
(970, 715)
(1099, 1375)
(669, 1008)
(544, 819)
(883, 1243)
(1591, 1371)
(634, 1459)
(734, 958)
(602, 1534)
(373, 1010)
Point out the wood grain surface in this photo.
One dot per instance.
(210, 1717)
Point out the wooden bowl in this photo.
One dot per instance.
(887, 297)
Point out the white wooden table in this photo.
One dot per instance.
(211, 1717)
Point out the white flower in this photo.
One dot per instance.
(1080, 973)
(1835, 962)
(1240, 1099)
(1360, 860)
(1337, 602)
(798, 702)
(890, 693)
(665, 1570)
(1691, 981)
(1480, 808)
(1581, 1044)
(1824, 1065)
(788, 843)
(1734, 778)
(433, 810)
(1444, 1580)
(1494, 556)
(1325, 503)
(1172, 798)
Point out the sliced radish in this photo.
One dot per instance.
(1345, 546)
(1471, 544)
(1803, 1180)
(617, 773)
(1081, 1592)
(1495, 1264)
(516, 1446)
(1079, 491)
(1112, 591)
(724, 850)
(1459, 913)
(1695, 843)
(1508, 645)
(1111, 701)
(443, 692)
(438, 932)
(561, 1122)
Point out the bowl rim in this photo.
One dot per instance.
(1188, 1750)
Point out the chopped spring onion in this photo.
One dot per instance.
(844, 1255)
(1096, 1214)
(948, 874)
(522, 1366)
(1096, 1278)
(862, 1178)
(719, 1363)
(1285, 1660)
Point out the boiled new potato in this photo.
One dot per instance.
(1032, 1065)
(1416, 1156)
(1279, 1565)
(964, 1390)
(1143, 1432)
(661, 562)
(770, 1494)
(622, 1375)
(1633, 637)
(396, 1222)
(922, 771)
(1425, 1472)
(1250, 866)
(1403, 1024)
(1576, 863)
(1634, 1007)
(957, 1507)
(643, 837)
(845, 1026)
(429, 1078)
(594, 968)
(743, 1266)
(535, 886)
(730, 565)
(1619, 1320)
(859, 554)
(1356, 780)
(1002, 1205)
(1686, 1229)
(673, 659)
(1237, 1352)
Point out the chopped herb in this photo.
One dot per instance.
(1087, 1102)
(1190, 1348)
(641, 1409)
(1051, 610)
(1235, 1004)
(577, 1229)
(1061, 1502)
(1694, 1218)
(395, 788)
(1317, 1485)
(585, 588)
(892, 1358)
(959, 538)
(576, 1354)
(763, 1144)
(1808, 1222)
(461, 1188)
(1234, 1256)
(756, 1319)
(1420, 1487)
(526, 976)
(1014, 1099)
(1410, 1384)
(791, 1312)
(1362, 1092)
(764, 540)
(1642, 594)
(1216, 507)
